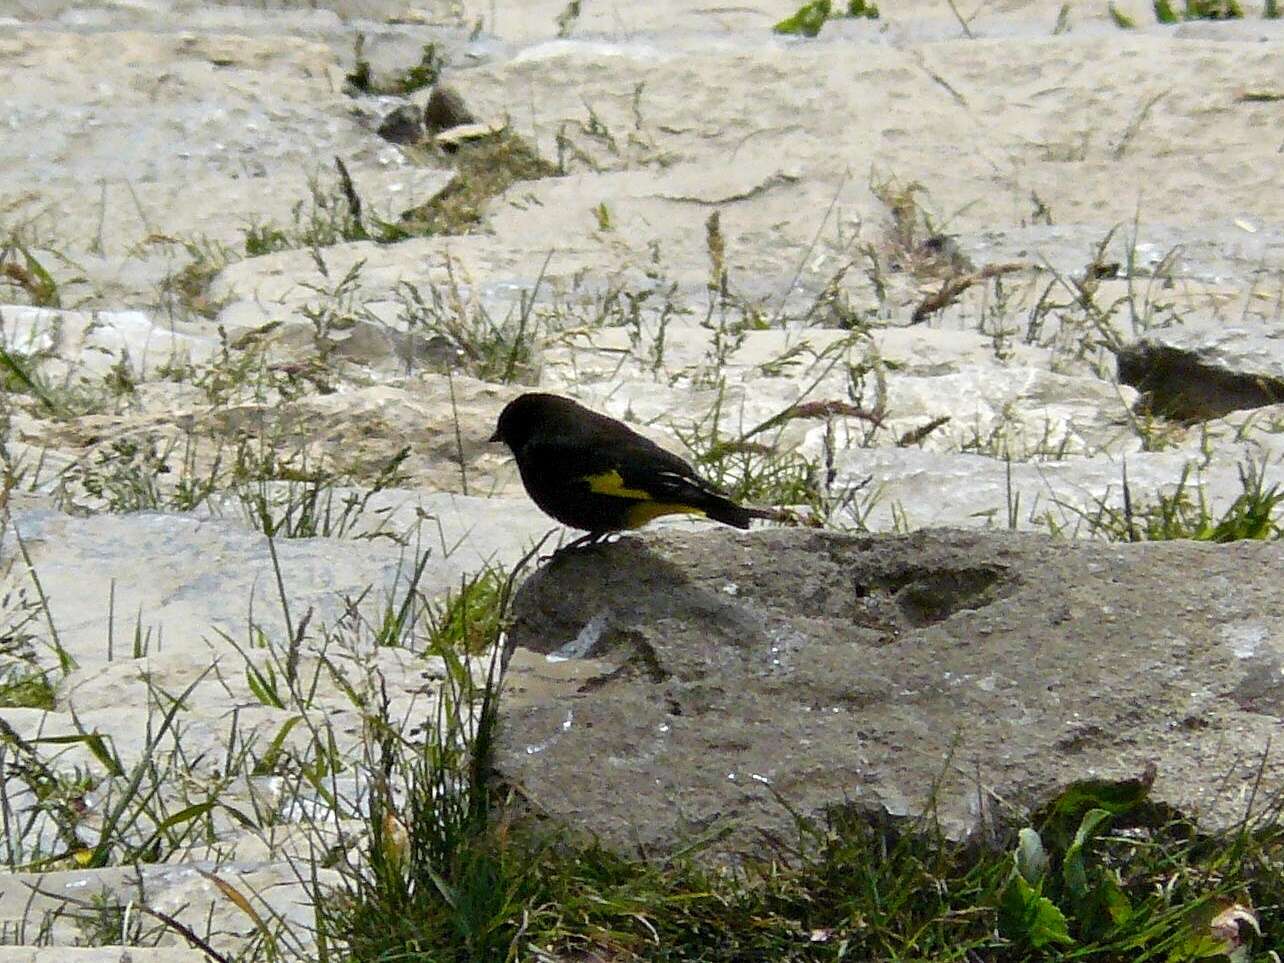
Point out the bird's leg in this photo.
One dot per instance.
(590, 538)
(587, 540)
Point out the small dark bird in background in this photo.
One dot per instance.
(595, 473)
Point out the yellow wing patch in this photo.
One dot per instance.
(647, 508)
(610, 483)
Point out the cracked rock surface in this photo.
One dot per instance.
(697, 682)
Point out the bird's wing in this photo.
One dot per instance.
(664, 477)
(636, 471)
(565, 463)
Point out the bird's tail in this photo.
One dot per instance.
(729, 513)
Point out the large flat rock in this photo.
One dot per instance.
(187, 584)
(975, 672)
(908, 489)
(187, 893)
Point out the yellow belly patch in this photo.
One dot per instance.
(610, 483)
(643, 512)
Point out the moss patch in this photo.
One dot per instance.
(485, 168)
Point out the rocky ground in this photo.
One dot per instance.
(1015, 267)
(973, 675)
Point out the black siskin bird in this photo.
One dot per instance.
(595, 473)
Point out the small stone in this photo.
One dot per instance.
(402, 126)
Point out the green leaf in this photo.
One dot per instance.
(1064, 816)
(315, 776)
(44, 293)
(267, 762)
(1114, 900)
(94, 742)
(1076, 875)
(1198, 946)
(1027, 915)
(1121, 19)
(807, 20)
(264, 686)
(1164, 12)
(18, 371)
(245, 821)
(445, 889)
(117, 822)
(1031, 859)
(186, 815)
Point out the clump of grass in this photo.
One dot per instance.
(22, 270)
(261, 239)
(499, 350)
(187, 289)
(752, 466)
(23, 686)
(424, 73)
(241, 371)
(747, 466)
(70, 398)
(312, 506)
(485, 168)
(1214, 10)
(806, 20)
(424, 851)
(130, 822)
(1072, 317)
(810, 17)
(469, 620)
(106, 922)
(279, 493)
(125, 476)
(1098, 874)
(1257, 513)
(567, 18)
(914, 240)
(1199, 10)
(1108, 875)
(330, 215)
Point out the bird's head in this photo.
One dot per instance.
(525, 415)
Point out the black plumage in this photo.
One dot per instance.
(592, 472)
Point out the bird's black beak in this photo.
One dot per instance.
(495, 436)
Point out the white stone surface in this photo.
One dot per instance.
(143, 138)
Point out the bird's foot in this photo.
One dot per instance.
(589, 540)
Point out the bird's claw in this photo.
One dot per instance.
(590, 540)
